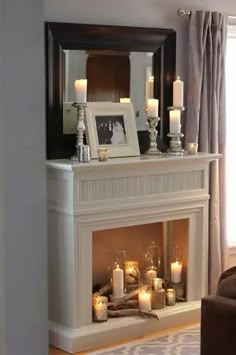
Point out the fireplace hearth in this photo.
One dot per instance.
(123, 204)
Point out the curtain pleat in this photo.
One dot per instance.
(206, 120)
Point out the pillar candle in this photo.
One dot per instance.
(175, 121)
(178, 93)
(150, 88)
(176, 271)
(153, 108)
(150, 274)
(81, 91)
(144, 299)
(125, 100)
(118, 282)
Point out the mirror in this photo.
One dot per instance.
(112, 77)
(117, 61)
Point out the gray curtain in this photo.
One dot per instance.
(205, 121)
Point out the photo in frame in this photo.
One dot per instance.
(112, 125)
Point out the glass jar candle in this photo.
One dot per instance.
(170, 297)
(156, 284)
(99, 308)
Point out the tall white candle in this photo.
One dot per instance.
(178, 93)
(175, 121)
(176, 272)
(144, 299)
(81, 91)
(153, 105)
(118, 282)
(150, 88)
(125, 100)
(150, 274)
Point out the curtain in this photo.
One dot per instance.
(205, 123)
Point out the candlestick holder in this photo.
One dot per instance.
(82, 153)
(175, 148)
(151, 125)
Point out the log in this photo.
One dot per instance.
(103, 290)
(130, 313)
(125, 298)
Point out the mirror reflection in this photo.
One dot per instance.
(114, 76)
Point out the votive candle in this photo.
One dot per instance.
(125, 100)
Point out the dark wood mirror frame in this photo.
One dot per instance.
(61, 36)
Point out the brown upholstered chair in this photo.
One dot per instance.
(218, 318)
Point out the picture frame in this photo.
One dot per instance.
(112, 125)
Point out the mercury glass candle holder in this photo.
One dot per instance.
(103, 154)
(99, 308)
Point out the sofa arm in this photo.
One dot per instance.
(218, 324)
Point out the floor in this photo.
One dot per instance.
(53, 351)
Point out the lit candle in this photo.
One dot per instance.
(153, 108)
(118, 282)
(176, 271)
(125, 100)
(178, 93)
(150, 274)
(156, 284)
(170, 297)
(175, 122)
(81, 91)
(144, 299)
(150, 88)
(99, 308)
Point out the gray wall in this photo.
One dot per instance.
(147, 13)
(22, 153)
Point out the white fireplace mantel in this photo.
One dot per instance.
(83, 198)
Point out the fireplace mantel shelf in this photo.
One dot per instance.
(84, 199)
(66, 164)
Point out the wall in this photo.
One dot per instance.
(22, 153)
(147, 13)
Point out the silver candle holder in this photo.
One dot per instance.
(82, 153)
(151, 125)
(175, 148)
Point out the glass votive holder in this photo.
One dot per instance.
(103, 154)
(156, 284)
(170, 297)
(99, 308)
(191, 148)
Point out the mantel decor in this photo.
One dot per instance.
(74, 36)
(112, 125)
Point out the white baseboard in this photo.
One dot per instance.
(121, 329)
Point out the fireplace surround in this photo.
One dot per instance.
(86, 199)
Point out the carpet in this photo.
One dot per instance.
(182, 342)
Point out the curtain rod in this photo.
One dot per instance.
(184, 12)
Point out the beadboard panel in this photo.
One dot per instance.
(134, 186)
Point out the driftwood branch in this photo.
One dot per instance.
(125, 298)
(103, 290)
(130, 312)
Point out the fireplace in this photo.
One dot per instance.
(123, 204)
